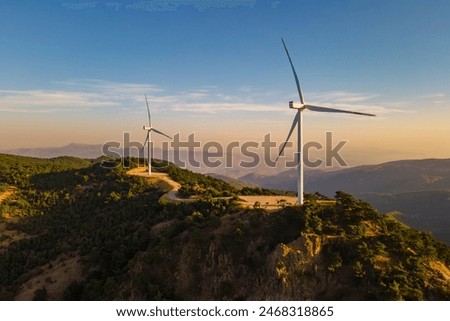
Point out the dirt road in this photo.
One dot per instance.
(263, 201)
(172, 194)
(4, 195)
(268, 201)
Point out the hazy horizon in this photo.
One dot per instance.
(74, 150)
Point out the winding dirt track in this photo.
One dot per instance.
(267, 202)
(3, 196)
(172, 194)
(264, 201)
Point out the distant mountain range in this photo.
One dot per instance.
(391, 177)
(286, 180)
(419, 189)
(91, 151)
(232, 181)
(74, 150)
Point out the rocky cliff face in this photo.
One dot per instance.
(298, 269)
(243, 258)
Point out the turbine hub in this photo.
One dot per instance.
(296, 106)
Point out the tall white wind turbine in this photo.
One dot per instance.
(298, 120)
(149, 130)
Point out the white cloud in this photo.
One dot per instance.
(341, 97)
(86, 94)
(223, 107)
(45, 98)
(362, 102)
(433, 96)
(103, 86)
(75, 94)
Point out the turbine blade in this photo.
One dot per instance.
(334, 110)
(299, 89)
(294, 123)
(161, 133)
(148, 111)
(145, 142)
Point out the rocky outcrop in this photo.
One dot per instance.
(243, 258)
(223, 266)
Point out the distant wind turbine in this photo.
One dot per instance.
(298, 120)
(149, 129)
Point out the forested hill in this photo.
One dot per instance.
(72, 229)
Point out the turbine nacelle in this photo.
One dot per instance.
(147, 128)
(296, 105)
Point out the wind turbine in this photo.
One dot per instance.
(298, 120)
(149, 129)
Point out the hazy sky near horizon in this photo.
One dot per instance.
(77, 71)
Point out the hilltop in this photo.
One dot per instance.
(75, 230)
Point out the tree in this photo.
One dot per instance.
(40, 295)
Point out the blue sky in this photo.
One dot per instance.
(77, 71)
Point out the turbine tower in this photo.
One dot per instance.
(298, 121)
(149, 129)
